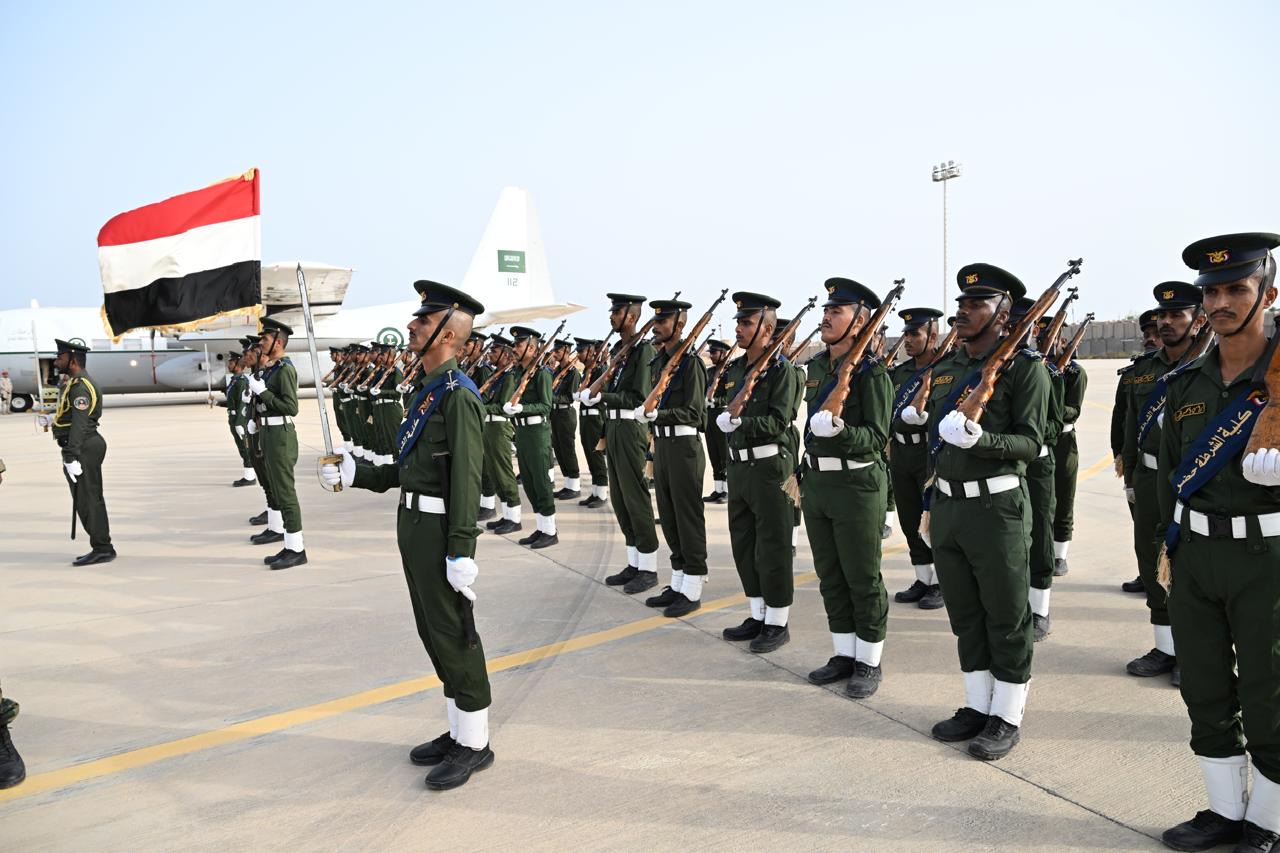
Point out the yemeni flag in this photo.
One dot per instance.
(184, 261)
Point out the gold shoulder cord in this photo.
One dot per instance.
(64, 402)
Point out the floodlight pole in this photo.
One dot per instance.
(942, 173)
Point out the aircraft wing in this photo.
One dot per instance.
(326, 289)
(527, 314)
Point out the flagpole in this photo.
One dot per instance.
(208, 375)
(329, 458)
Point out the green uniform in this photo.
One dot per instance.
(679, 464)
(564, 427)
(277, 407)
(980, 543)
(591, 430)
(236, 389)
(1067, 457)
(844, 493)
(75, 429)
(626, 443)
(498, 435)
(387, 413)
(1140, 463)
(760, 461)
(717, 441)
(1225, 599)
(1041, 495)
(793, 441)
(533, 439)
(478, 374)
(909, 469)
(442, 526)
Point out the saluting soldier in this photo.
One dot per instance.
(626, 443)
(844, 490)
(760, 461)
(717, 441)
(564, 423)
(1066, 463)
(533, 435)
(1179, 319)
(1119, 409)
(678, 460)
(75, 429)
(498, 438)
(909, 455)
(277, 405)
(236, 386)
(438, 474)
(1222, 513)
(591, 426)
(980, 518)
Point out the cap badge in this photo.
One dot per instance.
(1219, 257)
(907, 317)
(1168, 294)
(972, 278)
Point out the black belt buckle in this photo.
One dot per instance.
(1219, 526)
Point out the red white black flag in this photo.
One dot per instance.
(185, 260)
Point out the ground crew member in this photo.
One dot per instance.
(717, 441)
(6, 392)
(980, 518)
(591, 428)
(844, 490)
(75, 429)
(533, 435)
(760, 461)
(276, 392)
(1220, 520)
(1179, 319)
(909, 455)
(626, 443)
(678, 460)
(564, 424)
(236, 387)
(438, 473)
(498, 437)
(1119, 408)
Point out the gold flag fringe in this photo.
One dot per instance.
(1164, 569)
(255, 311)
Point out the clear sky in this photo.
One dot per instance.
(689, 146)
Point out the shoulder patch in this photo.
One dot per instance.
(81, 403)
(1031, 354)
(1189, 410)
(946, 379)
(812, 383)
(730, 383)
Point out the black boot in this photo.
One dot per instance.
(932, 599)
(266, 537)
(641, 582)
(837, 669)
(490, 525)
(545, 540)
(1135, 585)
(594, 502)
(1059, 567)
(965, 724)
(1175, 676)
(748, 630)
(277, 555)
(1255, 839)
(566, 494)
(1206, 830)
(913, 593)
(996, 741)
(432, 752)
(289, 560)
(457, 766)
(712, 498)
(12, 768)
(663, 599)
(506, 526)
(772, 637)
(530, 539)
(623, 576)
(682, 606)
(1153, 663)
(1040, 627)
(260, 518)
(97, 555)
(243, 482)
(486, 513)
(864, 682)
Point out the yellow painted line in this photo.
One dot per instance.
(1104, 463)
(1097, 405)
(54, 779)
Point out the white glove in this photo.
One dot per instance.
(1160, 419)
(344, 472)
(344, 386)
(911, 416)
(1262, 467)
(958, 430)
(1130, 495)
(512, 409)
(44, 420)
(401, 388)
(726, 422)
(642, 415)
(587, 399)
(252, 427)
(256, 385)
(74, 469)
(825, 425)
(461, 573)
(375, 391)
(240, 431)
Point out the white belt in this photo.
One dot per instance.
(746, 454)
(1044, 451)
(589, 413)
(973, 488)
(564, 405)
(1149, 461)
(834, 463)
(381, 402)
(1269, 524)
(1068, 428)
(675, 431)
(277, 421)
(425, 503)
(908, 438)
(624, 414)
(494, 419)
(532, 420)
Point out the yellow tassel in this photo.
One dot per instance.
(254, 311)
(791, 488)
(1164, 569)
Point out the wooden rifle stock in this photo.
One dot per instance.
(740, 400)
(844, 381)
(892, 355)
(921, 400)
(1266, 432)
(975, 402)
(799, 348)
(1055, 326)
(719, 374)
(673, 364)
(494, 377)
(536, 364)
(1065, 357)
(617, 361)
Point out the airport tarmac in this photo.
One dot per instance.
(184, 697)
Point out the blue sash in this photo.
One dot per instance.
(1154, 405)
(273, 368)
(423, 406)
(949, 405)
(906, 393)
(1216, 445)
(675, 381)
